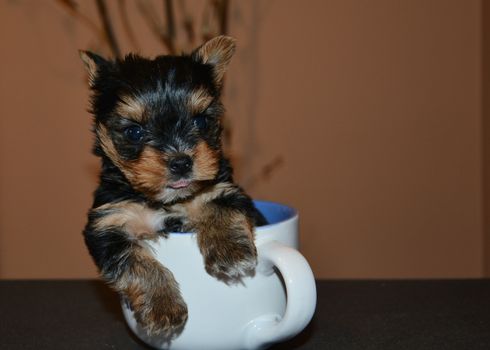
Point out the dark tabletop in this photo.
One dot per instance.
(412, 315)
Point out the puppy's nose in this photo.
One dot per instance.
(180, 165)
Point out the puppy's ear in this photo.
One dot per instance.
(93, 63)
(216, 52)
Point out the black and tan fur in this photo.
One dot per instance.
(157, 125)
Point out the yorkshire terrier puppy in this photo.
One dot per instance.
(157, 126)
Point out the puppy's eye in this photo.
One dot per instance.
(201, 121)
(134, 133)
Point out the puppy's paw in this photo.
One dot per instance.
(230, 257)
(174, 224)
(161, 312)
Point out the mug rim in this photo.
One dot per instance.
(258, 229)
(291, 217)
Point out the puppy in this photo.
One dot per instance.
(157, 126)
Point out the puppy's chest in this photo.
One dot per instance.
(146, 222)
(139, 220)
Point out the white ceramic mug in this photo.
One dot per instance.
(272, 306)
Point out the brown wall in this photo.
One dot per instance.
(374, 108)
(486, 132)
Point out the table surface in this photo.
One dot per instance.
(393, 314)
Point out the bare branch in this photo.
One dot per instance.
(149, 14)
(265, 173)
(171, 33)
(206, 29)
(215, 19)
(72, 8)
(169, 13)
(123, 12)
(109, 33)
(187, 24)
(222, 12)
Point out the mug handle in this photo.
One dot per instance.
(301, 296)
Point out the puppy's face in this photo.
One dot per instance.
(158, 120)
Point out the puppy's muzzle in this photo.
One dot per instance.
(181, 165)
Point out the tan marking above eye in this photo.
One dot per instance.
(131, 107)
(199, 100)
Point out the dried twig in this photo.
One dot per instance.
(206, 30)
(222, 14)
(187, 24)
(109, 33)
(123, 13)
(171, 33)
(148, 12)
(72, 8)
(266, 171)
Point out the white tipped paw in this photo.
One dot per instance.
(230, 259)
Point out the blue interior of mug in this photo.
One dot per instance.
(275, 212)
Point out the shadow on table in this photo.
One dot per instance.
(109, 302)
(300, 340)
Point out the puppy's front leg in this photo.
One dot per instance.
(225, 231)
(115, 236)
